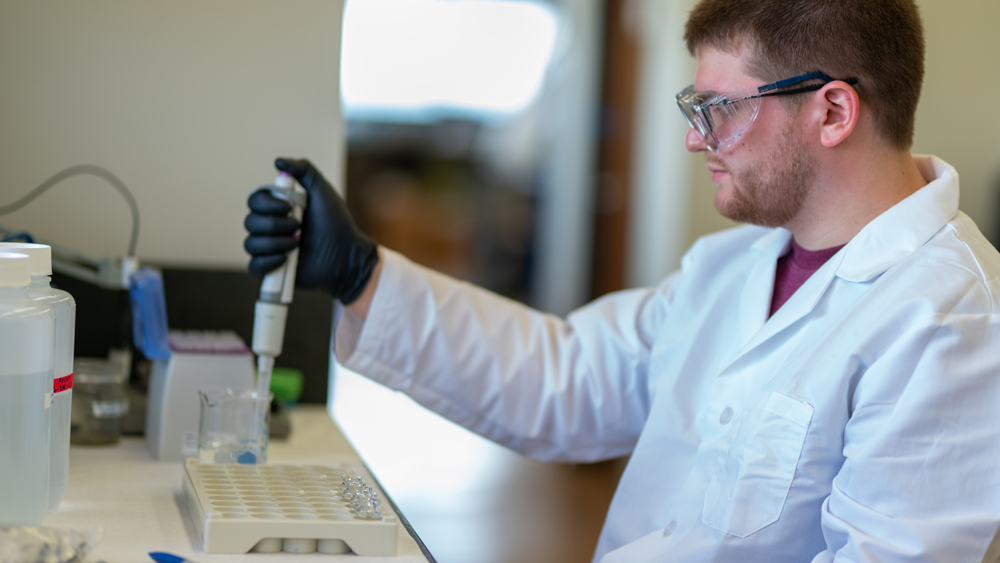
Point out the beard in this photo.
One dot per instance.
(771, 191)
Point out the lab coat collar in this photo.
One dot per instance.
(755, 301)
(777, 240)
(904, 227)
(755, 304)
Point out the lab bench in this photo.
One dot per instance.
(140, 504)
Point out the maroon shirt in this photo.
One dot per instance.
(794, 269)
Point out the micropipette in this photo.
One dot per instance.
(271, 309)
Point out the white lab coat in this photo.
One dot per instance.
(860, 423)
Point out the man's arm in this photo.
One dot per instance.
(552, 389)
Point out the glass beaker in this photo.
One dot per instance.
(234, 426)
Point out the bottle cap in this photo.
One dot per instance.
(39, 255)
(15, 270)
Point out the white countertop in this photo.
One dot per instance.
(140, 504)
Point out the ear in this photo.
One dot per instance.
(840, 110)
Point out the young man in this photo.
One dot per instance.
(818, 385)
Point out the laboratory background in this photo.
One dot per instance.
(529, 146)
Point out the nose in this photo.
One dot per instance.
(694, 141)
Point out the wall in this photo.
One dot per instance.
(570, 97)
(958, 118)
(661, 168)
(187, 102)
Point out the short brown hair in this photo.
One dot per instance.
(879, 42)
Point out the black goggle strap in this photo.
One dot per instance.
(789, 82)
(769, 89)
(793, 80)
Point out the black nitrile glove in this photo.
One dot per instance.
(334, 255)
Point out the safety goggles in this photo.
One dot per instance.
(723, 118)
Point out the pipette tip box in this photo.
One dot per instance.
(293, 508)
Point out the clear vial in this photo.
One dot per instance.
(27, 341)
(64, 307)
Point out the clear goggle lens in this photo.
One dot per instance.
(721, 120)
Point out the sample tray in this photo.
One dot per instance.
(239, 508)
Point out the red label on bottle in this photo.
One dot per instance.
(62, 383)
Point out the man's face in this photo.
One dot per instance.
(764, 177)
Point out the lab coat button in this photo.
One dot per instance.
(726, 416)
(670, 528)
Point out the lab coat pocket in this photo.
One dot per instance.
(749, 490)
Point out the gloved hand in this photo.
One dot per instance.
(334, 255)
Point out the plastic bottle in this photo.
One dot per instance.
(62, 303)
(27, 341)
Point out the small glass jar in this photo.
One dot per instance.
(99, 402)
